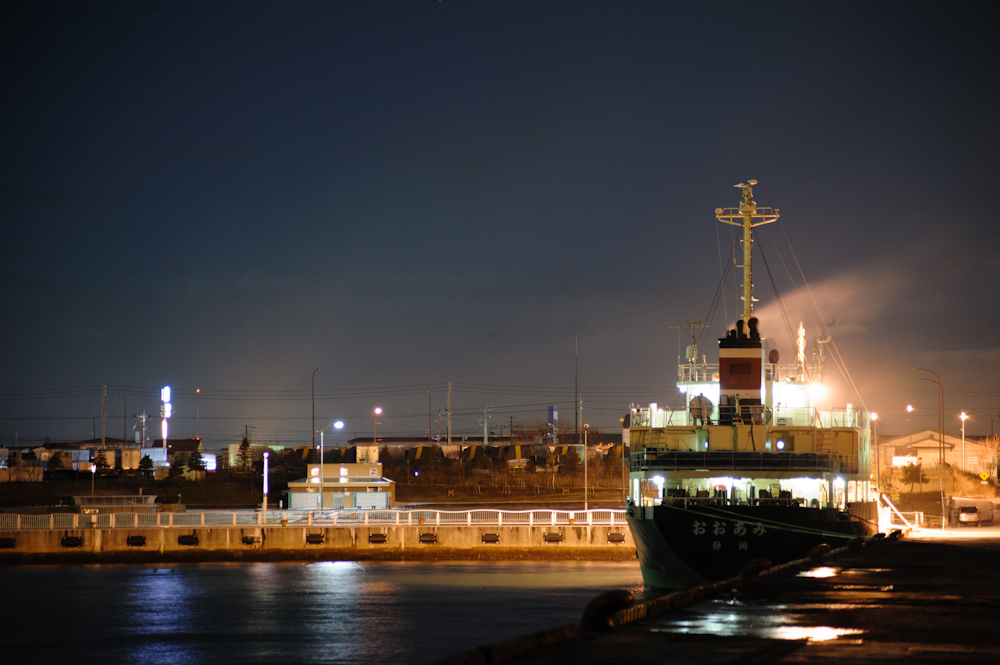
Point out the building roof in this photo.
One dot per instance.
(181, 445)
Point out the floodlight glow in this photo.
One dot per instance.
(780, 444)
(378, 410)
(165, 394)
(909, 408)
(163, 430)
(817, 391)
(874, 416)
(659, 480)
(343, 470)
(168, 409)
(338, 425)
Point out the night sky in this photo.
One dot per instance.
(229, 195)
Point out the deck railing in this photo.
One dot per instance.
(671, 460)
(480, 517)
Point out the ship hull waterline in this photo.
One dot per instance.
(684, 545)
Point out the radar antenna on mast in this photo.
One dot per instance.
(748, 215)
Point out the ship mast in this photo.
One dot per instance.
(748, 215)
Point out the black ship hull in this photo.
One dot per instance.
(681, 545)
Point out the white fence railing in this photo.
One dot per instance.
(480, 517)
(915, 518)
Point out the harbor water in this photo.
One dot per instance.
(324, 612)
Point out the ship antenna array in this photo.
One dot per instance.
(692, 326)
(747, 216)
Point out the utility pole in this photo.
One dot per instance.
(430, 418)
(512, 429)
(449, 413)
(142, 419)
(486, 424)
(124, 421)
(104, 391)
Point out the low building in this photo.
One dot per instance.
(119, 503)
(336, 486)
(924, 447)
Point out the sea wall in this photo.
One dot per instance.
(353, 543)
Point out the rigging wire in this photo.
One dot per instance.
(837, 358)
(718, 244)
(714, 307)
(774, 287)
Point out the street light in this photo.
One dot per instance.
(378, 412)
(937, 380)
(964, 458)
(909, 410)
(337, 424)
(586, 427)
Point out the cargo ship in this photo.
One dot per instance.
(750, 467)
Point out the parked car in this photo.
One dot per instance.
(969, 515)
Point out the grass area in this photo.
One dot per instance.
(247, 493)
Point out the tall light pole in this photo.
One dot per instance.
(337, 424)
(376, 414)
(964, 458)
(909, 410)
(937, 380)
(314, 406)
(585, 428)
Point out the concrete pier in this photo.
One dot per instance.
(348, 543)
(928, 600)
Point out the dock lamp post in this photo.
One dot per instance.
(585, 428)
(266, 455)
(965, 460)
(378, 412)
(937, 380)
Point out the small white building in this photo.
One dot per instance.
(924, 447)
(335, 486)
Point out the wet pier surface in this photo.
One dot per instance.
(920, 600)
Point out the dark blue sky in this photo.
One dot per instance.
(228, 195)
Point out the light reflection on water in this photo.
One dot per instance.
(325, 612)
(731, 618)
